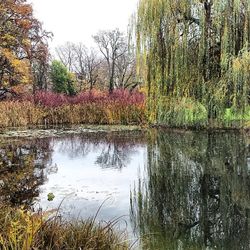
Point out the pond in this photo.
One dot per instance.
(169, 189)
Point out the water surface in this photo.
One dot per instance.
(173, 190)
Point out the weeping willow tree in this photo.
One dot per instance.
(194, 54)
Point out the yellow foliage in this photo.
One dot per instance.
(236, 64)
(242, 63)
(20, 68)
(18, 30)
(21, 230)
(8, 39)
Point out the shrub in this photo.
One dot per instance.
(234, 117)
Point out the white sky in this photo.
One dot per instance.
(78, 20)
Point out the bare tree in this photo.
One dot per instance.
(81, 61)
(126, 69)
(86, 64)
(92, 63)
(66, 54)
(112, 46)
(117, 68)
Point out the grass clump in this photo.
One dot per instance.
(24, 230)
(187, 113)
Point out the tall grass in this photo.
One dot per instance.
(20, 113)
(23, 230)
(48, 108)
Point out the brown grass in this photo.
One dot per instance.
(23, 230)
(26, 113)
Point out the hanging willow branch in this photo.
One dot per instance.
(196, 49)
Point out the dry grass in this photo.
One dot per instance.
(122, 108)
(22, 230)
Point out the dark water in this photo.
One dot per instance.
(174, 190)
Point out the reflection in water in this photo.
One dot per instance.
(93, 168)
(26, 164)
(116, 148)
(115, 155)
(22, 167)
(194, 192)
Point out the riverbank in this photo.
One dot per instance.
(57, 131)
(40, 132)
(122, 107)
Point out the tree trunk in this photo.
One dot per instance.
(111, 81)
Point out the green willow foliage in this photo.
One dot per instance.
(197, 50)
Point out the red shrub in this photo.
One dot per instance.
(52, 100)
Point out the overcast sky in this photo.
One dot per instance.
(78, 20)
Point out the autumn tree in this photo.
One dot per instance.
(23, 44)
(40, 68)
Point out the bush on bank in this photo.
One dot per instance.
(48, 108)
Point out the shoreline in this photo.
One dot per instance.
(56, 131)
(207, 129)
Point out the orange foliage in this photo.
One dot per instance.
(21, 40)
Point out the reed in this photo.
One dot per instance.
(48, 108)
(21, 229)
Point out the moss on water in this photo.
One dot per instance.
(59, 131)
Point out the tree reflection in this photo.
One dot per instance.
(116, 148)
(194, 192)
(114, 156)
(22, 170)
(75, 146)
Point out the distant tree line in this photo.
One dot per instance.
(25, 59)
(113, 66)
